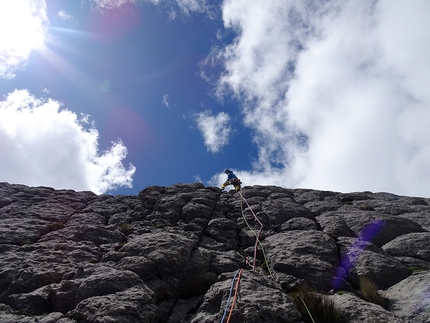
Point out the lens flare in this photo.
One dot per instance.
(114, 23)
(426, 302)
(105, 86)
(349, 259)
(125, 123)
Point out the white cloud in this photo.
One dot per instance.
(22, 29)
(188, 6)
(215, 130)
(166, 100)
(185, 6)
(336, 92)
(111, 4)
(72, 21)
(41, 144)
(64, 15)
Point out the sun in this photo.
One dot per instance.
(22, 29)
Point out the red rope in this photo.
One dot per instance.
(257, 240)
(261, 224)
(235, 296)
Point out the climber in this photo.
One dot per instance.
(231, 180)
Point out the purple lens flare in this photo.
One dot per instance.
(349, 259)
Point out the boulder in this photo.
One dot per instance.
(106, 281)
(409, 299)
(140, 265)
(356, 310)
(380, 228)
(35, 302)
(133, 305)
(283, 209)
(258, 301)
(299, 223)
(169, 251)
(198, 276)
(414, 245)
(362, 258)
(335, 225)
(309, 255)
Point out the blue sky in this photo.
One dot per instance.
(116, 95)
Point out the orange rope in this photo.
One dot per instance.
(234, 297)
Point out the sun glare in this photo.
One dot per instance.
(21, 30)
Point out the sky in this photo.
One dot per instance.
(113, 96)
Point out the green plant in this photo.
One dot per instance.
(125, 228)
(370, 292)
(119, 246)
(231, 206)
(367, 207)
(26, 241)
(56, 226)
(159, 225)
(315, 307)
(416, 269)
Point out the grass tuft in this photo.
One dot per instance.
(26, 241)
(159, 225)
(415, 269)
(126, 228)
(367, 207)
(370, 292)
(56, 226)
(315, 307)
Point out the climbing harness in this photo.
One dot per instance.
(233, 181)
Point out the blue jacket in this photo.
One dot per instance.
(231, 175)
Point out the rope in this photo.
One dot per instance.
(261, 224)
(238, 273)
(234, 297)
(229, 296)
(257, 236)
(307, 309)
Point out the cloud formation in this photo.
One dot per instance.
(22, 29)
(335, 91)
(166, 100)
(185, 6)
(111, 4)
(68, 18)
(42, 144)
(215, 130)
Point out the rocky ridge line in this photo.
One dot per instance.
(169, 254)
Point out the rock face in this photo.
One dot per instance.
(181, 254)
